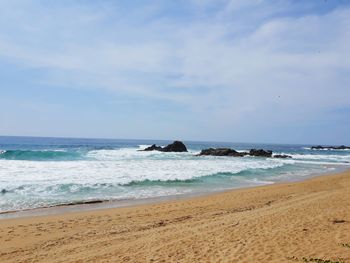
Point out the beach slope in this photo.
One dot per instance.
(290, 222)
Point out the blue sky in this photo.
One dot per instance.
(224, 70)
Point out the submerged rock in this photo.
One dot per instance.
(222, 152)
(176, 146)
(318, 147)
(260, 153)
(283, 156)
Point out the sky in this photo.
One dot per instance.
(273, 71)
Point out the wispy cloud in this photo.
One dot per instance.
(231, 63)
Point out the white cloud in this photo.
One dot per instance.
(225, 65)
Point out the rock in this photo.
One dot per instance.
(221, 152)
(3, 191)
(319, 147)
(231, 152)
(260, 153)
(283, 156)
(176, 146)
(342, 147)
(153, 148)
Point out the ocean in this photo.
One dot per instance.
(43, 172)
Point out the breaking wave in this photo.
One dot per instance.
(43, 155)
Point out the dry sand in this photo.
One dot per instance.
(276, 223)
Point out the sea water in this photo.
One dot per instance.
(42, 172)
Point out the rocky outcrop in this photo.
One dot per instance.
(282, 156)
(319, 147)
(176, 146)
(260, 153)
(233, 153)
(153, 148)
(222, 152)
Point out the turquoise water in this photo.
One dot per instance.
(40, 172)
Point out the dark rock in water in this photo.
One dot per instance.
(153, 148)
(176, 146)
(3, 191)
(260, 153)
(231, 152)
(319, 147)
(342, 147)
(222, 152)
(283, 156)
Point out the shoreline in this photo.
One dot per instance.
(282, 222)
(101, 204)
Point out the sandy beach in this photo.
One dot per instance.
(290, 222)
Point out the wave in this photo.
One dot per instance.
(318, 158)
(24, 196)
(133, 153)
(170, 182)
(43, 155)
(80, 187)
(249, 174)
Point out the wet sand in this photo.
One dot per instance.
(288, 222)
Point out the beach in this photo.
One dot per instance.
(284, 222)
(175, 131)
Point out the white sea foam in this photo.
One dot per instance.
(124, 166)
(259, 181)
(322, 157)
(143, 146)
(325, 149)
(103, 173)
